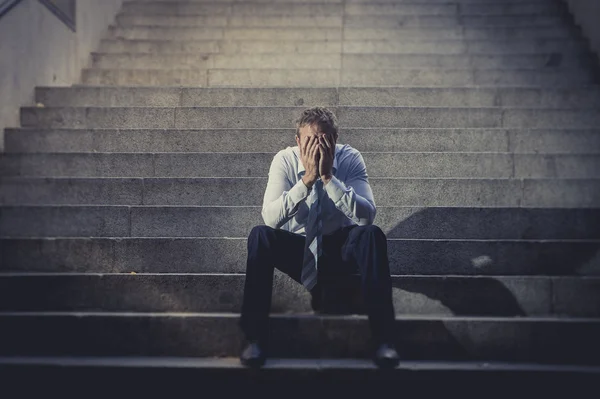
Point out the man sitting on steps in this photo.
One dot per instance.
(319, 210)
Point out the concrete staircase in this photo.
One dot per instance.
(127, 200)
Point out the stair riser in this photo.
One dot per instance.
(452, 9)
(280, 77)
(427, 140)
(284, 117)
(249, 192)
(469, 21)
(216, 33)
(300, 21)
(510, 63)
(552, 341)
(434, 165)
(566, 47)
(568, 78)
(229, 378)
(236, 9)
(408, 223)
(329, 97)
(258, 79)
(128, 21)
(507, 62)
(494, 296)
(222, 255)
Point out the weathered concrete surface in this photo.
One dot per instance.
(228, 255)
(424, 295)
(37, 49)
(543, 340)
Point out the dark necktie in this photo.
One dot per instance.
(314, 236)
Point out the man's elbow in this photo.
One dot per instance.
(269, 221)
(369, 218)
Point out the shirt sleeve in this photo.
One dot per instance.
(354, 198)
(282, 199)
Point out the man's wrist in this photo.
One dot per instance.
(308, 182)
(326, 178)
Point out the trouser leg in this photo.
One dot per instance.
(367, 247)
(268, 248)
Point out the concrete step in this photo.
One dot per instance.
(168, 77)
(149, 61)
(460, 2)
(456, 33)
(469, 192)
(543, 340)
(216, 33)
(458, 223)
(282, 77)
(507, 62)
(416, 295)
(158, 32)
(438, 295)
(547, 141)
(242, 9)
(469, 8)
(228, 255)
(325, 21)
(251, 164)
(300, 21)
(516, 21)
(327, 8)
(340, 376)
(284, 117)
(461, 77)
(89, 96)
(223, 47)
(231, 2)
(566, 47)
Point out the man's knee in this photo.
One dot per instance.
(260, 234)
(370, 230)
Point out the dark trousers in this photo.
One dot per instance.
(348, 250)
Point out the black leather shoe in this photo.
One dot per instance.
(252, 355)
(386, 357)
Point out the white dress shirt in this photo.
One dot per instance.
(347, 198)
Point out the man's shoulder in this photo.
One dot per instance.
(346, 154)
(288, 153)
(346, 149)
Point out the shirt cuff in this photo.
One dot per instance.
(335, 189)
(298, 192)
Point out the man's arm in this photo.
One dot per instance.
(281, 200)
(354, 198)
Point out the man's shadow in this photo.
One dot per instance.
(428, 284)
(505, 242)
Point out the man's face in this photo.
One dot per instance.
(311, 131)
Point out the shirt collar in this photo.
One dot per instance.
(301, 169)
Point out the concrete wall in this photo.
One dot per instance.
(37, 49)
(587, 16)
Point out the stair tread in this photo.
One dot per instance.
(283, 363)
(299, 315)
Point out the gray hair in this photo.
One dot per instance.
(323, 118)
